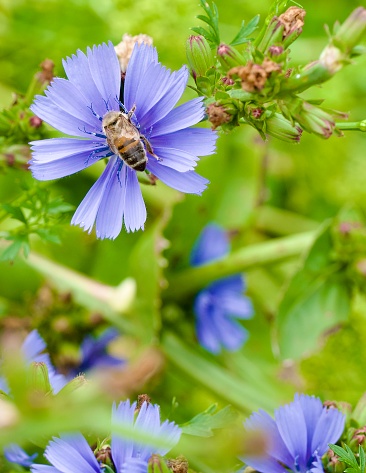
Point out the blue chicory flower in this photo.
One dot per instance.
(15, 454)
(32, 350)
(94, 353)
(72, 454)
(222, 302)
(77, 106)
(297, 437)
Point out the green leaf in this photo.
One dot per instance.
(245, 31)
(347, 456)
(59, 206)
(48, 235)
(212, 35)
(202, 424)
(241, 94)
(199, 30)
(316, 300)
(10, 253)
(14, 212)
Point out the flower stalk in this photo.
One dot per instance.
(192, 280)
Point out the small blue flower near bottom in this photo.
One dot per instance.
(219, 305)
(72, 453)
(298, 436)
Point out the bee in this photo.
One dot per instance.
(125, 140)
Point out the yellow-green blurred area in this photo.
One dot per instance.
(258, 190)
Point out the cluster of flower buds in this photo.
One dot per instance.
(256, 85)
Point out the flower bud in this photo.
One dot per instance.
(254, 76)
(314, 119)
(104, 455)
(279, 127)
(39, 379)
(72, 385)
(293, 21)
(35, 122)
(178, 465)
(157, 464)
(229, 57)
(358, 438)
(221, 112)
(199, 55)
(46, 74)
(333, 463)
(350, 33)
(125, 47)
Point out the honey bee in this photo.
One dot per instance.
(125, 140)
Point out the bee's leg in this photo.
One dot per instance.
(94, 113)
(120, 165)
(106, 103)
(96, 152)
(131, 114)
(149, 147)
(99, 135)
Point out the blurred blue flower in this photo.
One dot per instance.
(297, 437)
(15, 454)
(77, 106)
(72, 454)
(222, 302)
(94, 353)
(32, 349)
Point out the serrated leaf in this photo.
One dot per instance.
(11, 252)
(15, 212)
(245, 31)
(205, 33)
(347, 456)
(48, 235)
(316, 300)
(59, 206)
(202, 424)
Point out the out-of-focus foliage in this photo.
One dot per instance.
(259, 190)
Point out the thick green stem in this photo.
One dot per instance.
(235, 390)
(109, 300)
(352, 126)
(192, 280)
(312, 75)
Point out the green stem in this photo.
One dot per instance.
(312, 75)
(111, 301)
(352, 126)
(233, 389)
(192, 280)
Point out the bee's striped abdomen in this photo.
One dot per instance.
(132, 152)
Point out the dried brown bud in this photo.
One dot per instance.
(254, 76)
(292, 19)
(104, 455)
(179, 465)
(125, 47)
(141, 398)
(46, 74)
(217, 115)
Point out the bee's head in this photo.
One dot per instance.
(110, 119)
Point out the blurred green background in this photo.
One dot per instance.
(301, 186)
